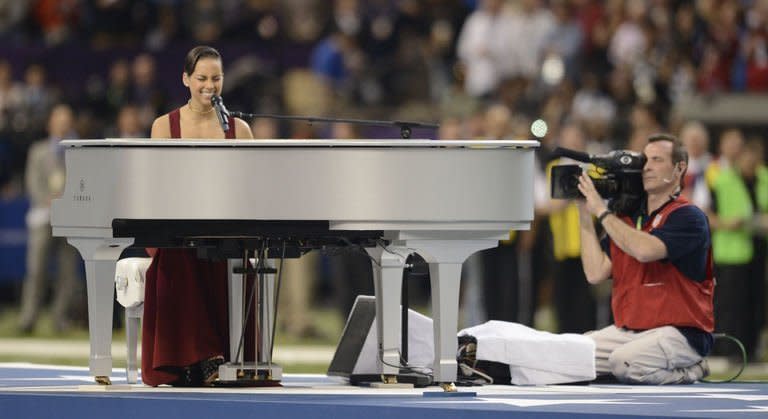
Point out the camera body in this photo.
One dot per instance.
(620, 181)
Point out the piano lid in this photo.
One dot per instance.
(388, 143)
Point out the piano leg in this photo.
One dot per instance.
(100, 257)
(445, 259)
(444, 279)
(388, 283)
(132, 323)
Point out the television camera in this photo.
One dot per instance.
(618, 177)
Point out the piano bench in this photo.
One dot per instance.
(130, 276)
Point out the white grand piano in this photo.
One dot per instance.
(442, 199)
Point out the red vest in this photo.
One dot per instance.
(654, 294)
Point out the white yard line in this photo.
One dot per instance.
(64, 348)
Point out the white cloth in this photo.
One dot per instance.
(535, 357)
(130, 276)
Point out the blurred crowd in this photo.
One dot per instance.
(587, 74)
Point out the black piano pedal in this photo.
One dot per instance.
(249, 375)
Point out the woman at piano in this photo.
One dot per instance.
(185, 328)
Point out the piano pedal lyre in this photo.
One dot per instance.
(262, 372)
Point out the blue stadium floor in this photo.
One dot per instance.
(46, 391)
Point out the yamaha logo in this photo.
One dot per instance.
(82, 197)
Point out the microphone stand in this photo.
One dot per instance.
(405, 126)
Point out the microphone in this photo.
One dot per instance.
(221, 112)
(668, 180)
(573, 154)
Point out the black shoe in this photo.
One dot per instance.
(210, 369)
(189, 377)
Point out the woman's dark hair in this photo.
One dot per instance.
(195, 54)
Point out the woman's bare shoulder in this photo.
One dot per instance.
(161, 128)
(242, 129)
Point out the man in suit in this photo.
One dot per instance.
(44, 180)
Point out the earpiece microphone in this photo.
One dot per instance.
(668, 180)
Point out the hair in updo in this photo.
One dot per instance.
(195, 54)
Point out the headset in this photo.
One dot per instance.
(676, 169)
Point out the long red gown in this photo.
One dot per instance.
(185, 307)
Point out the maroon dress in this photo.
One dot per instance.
(185, 307)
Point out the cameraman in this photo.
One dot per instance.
(660, 260)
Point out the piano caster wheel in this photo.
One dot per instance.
(103, 380)
(448, 387)
(389, 379)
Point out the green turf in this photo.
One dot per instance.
(327, 323)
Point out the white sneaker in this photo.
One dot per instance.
(698, 371)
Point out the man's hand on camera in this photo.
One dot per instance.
(593, 201)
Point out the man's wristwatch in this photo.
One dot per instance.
(602, 216)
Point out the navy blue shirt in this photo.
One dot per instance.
(686, 236)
